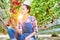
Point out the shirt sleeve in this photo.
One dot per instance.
(34, 24)
(19, 25)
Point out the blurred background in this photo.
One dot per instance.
(47, 13)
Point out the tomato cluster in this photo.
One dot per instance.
(16, 2)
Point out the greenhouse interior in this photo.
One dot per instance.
(46, 12)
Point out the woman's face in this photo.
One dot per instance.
(24, 10)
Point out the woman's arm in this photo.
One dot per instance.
(30, 36)
(13, 24)
(34, 25)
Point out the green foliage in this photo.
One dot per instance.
(45, 10)
(54, 35)
(5, 7)
(52, 30)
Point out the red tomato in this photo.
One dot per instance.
(18, 3)
(45, 26)
(52, 21)
(14, 2)
(13, 10)
(7, 24)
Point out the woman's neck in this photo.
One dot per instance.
(25, 17)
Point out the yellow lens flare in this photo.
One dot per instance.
(20, 17)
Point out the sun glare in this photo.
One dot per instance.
(20, 16)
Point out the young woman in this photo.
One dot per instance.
(27, 26)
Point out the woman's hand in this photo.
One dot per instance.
(27, 38)
(13, 24)
(30, 36)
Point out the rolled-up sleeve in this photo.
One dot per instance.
(19, 25)
(34, 24)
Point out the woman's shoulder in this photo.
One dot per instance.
(32, 18)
